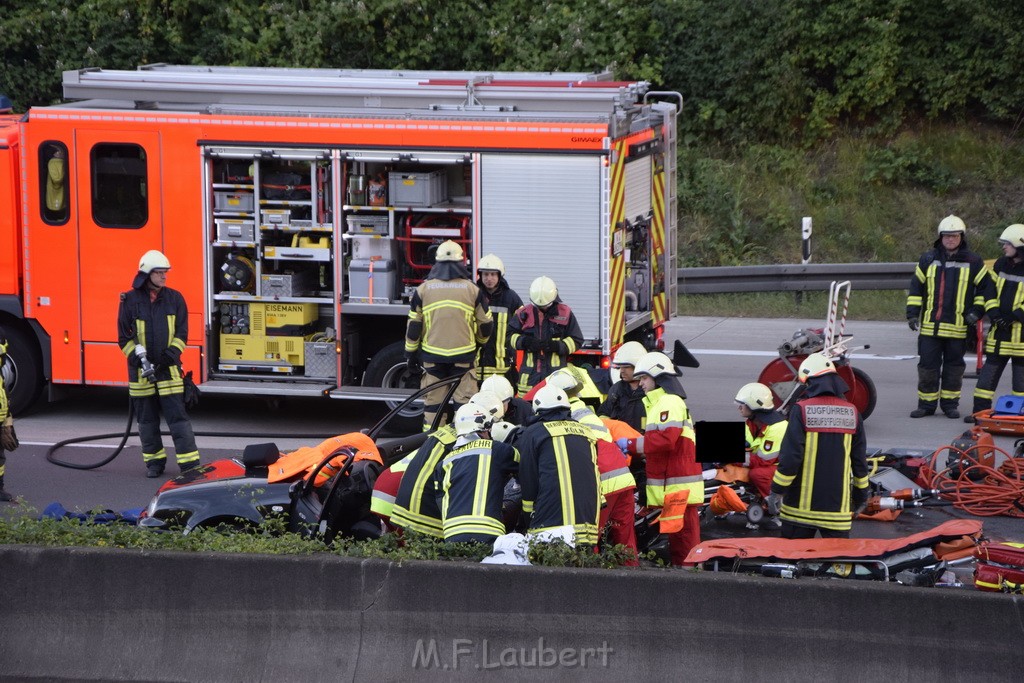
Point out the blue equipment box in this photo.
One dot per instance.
(1009, 405)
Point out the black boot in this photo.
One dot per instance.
(5, 497)
(154, 468)
(922, 412)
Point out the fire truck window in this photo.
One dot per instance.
(119, 186)
(53, 182)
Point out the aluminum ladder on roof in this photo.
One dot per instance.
(357, 89)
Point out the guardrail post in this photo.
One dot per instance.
(805, 252)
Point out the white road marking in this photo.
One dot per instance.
(769, 354)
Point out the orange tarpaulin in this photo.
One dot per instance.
(673, 512)
(302, 461)
(726, 500)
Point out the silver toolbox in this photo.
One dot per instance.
(276, 217)
(227, 200)
(235, 230)
(320, 360)
(371, 284)
(418, 189)
(301, 283)
(367, 225)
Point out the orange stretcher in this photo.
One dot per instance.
(726, 552)
(995, 423)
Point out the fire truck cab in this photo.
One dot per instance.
(299, 208)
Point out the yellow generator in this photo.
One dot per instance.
(265, 336)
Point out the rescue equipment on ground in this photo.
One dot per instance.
(831, 341)
(965, 474)
(1000, 568)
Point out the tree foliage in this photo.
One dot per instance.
(771, 70)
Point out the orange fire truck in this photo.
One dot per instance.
(299, 207)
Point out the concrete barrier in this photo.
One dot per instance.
(101, 614)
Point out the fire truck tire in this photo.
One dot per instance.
(387, 369)
(22, 369)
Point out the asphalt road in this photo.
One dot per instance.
(732, 352)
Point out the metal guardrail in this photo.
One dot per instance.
(793, 278)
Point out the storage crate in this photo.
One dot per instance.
(360, 289)
(418, 189)
(291, 253)
(301, 283)
(234, 230)
(370, 246)
(239, 202)
(276, 217)
(320, 359)
(368, 225)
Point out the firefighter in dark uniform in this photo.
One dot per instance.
(448, 320)
(625, 399)
(471, 479)
(1004, 305)
(153, 317)
(558, 470)
(546, 331)
(417, 505)
(497, 357)
(8, 439)
(822, 476)
(945, 300)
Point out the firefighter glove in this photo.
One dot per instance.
(413, 364)
(170, 356)
(8, 437)
(913, 323)
(529, 343)
(774, 503)
(1003, 321)
(971, 317)
(859, 498)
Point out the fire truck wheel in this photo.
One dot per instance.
(863, 394)
(22, 369)
(387, 369)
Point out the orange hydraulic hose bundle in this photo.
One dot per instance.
(978, 488)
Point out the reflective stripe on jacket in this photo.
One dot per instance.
(417, 506)
(447, 320)
(472, 480)
(945, 287)
(1005, 295)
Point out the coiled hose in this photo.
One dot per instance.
(50, 453)
(975, 487)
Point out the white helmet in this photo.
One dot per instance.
(153, 259)
(449, 251)
(499, 385)
(951, 224)
(628, 354)
(815, 365)
(500, 431)
(565, 379)
(489, 402)
(491, 262)
(755, 396)
(1014, 234)
(471, 418)
(543, 291)
(655, 364)
(549, 397)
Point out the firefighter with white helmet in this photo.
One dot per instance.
(448, 321)
(546, 331)
(822, 475)
(945, 303)
(517, 410)
(765, 428)
(668, 445)
(1005, 341)
(152, 331)
(557, 469)
(497, 357)
(625, 399)
(416, 502)
(472, 479)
